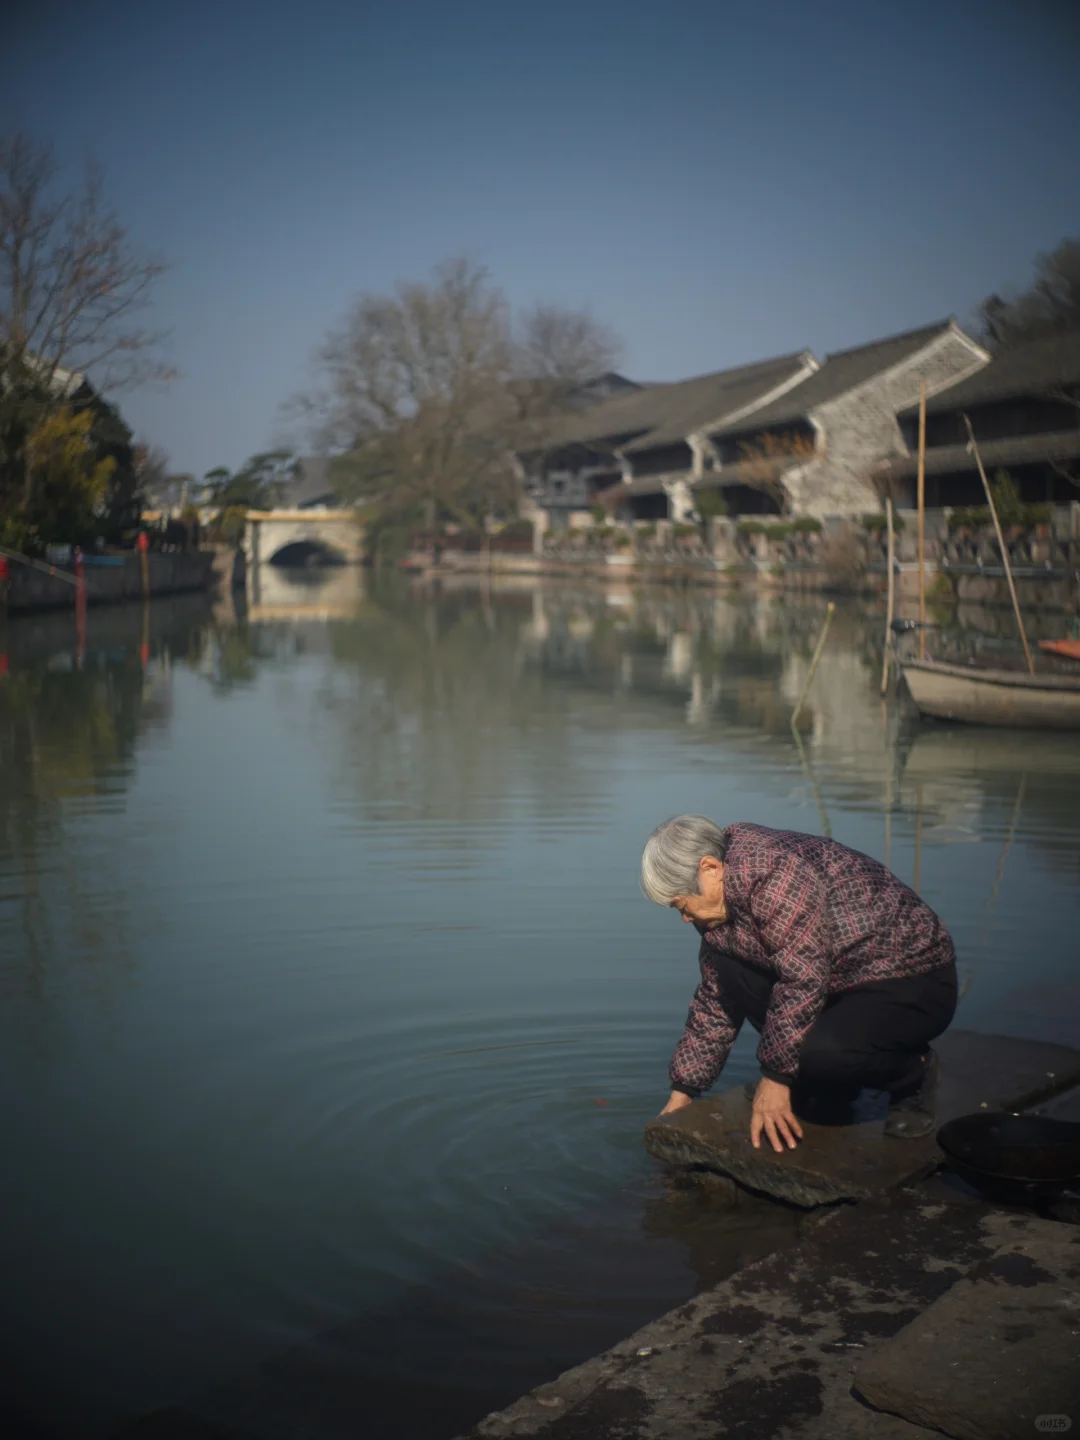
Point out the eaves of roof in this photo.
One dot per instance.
(1013, 450)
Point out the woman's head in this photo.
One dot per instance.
(682, 866)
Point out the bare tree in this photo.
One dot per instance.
(152, 478)
(71, 287)
(1050, 306)
(762, 464)
(426, 394)
(558, 350)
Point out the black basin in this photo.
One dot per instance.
(1033, 1149)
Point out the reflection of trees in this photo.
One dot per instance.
(442, 716)
(69, 727)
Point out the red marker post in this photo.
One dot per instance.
(144, 556)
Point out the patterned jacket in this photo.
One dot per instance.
(820, 918)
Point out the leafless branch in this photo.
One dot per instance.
(70, 283)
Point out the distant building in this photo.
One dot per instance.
(815, 451)
(311, 489)
(1024, 408)
(791, 434)
(634, 453)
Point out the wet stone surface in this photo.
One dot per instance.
(855, 1161)
(995, 1353)
(774, 1349)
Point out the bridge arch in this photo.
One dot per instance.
(298, 536)
(301, 554)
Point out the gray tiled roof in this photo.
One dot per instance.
(312, 484)
(709, 398)
(1031, 368)
(1013, 450)
(841, 372)
(665, 413)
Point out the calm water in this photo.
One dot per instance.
(332, 1012)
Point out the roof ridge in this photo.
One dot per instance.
(936, 328)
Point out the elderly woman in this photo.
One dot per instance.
(843, 970)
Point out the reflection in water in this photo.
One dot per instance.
(328, 980)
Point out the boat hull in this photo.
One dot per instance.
(994, 697)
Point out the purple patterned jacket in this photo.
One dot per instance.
(822, 919)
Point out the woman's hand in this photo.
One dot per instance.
(678, 1101)
(772, 1113)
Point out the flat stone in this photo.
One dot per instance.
(998, 1351)
(854, 1161)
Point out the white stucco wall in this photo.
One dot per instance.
(859, 429)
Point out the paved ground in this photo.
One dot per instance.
(871, 1289)
(774, 1352)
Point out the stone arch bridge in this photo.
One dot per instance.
(303, 537)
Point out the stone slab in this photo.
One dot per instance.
(771, 1352)
(855, 1161)
(996, 1353)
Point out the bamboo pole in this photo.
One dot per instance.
(808, 771)
(1004, 551)
(890, 603)
(813, 662)
(922, 519)
(918, 839)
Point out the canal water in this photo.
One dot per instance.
(332, 1012)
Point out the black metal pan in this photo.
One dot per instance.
(1027, 1149)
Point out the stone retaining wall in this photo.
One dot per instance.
(31, 589)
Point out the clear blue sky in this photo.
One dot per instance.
(720, 181)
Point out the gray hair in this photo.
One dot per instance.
(673, 853)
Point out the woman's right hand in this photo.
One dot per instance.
(678, 1101)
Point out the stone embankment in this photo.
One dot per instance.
(114, 579)
(921, 1310)
(962, 564)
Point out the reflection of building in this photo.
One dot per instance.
(280, 593)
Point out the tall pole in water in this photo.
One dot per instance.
(890, 603)
(1002, 546)
(922, 519)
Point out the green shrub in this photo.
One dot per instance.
(683, 532)
(517, 530)
(780, 530)
(710, 503)
(622, 540)
(751, 527)
(806, 525)
(879, 522)
(599, 514)
(1010, 510)
(647, 532)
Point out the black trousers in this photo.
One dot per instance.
(873, 1036)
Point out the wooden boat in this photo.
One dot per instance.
(1070, 649)
(994, 697)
